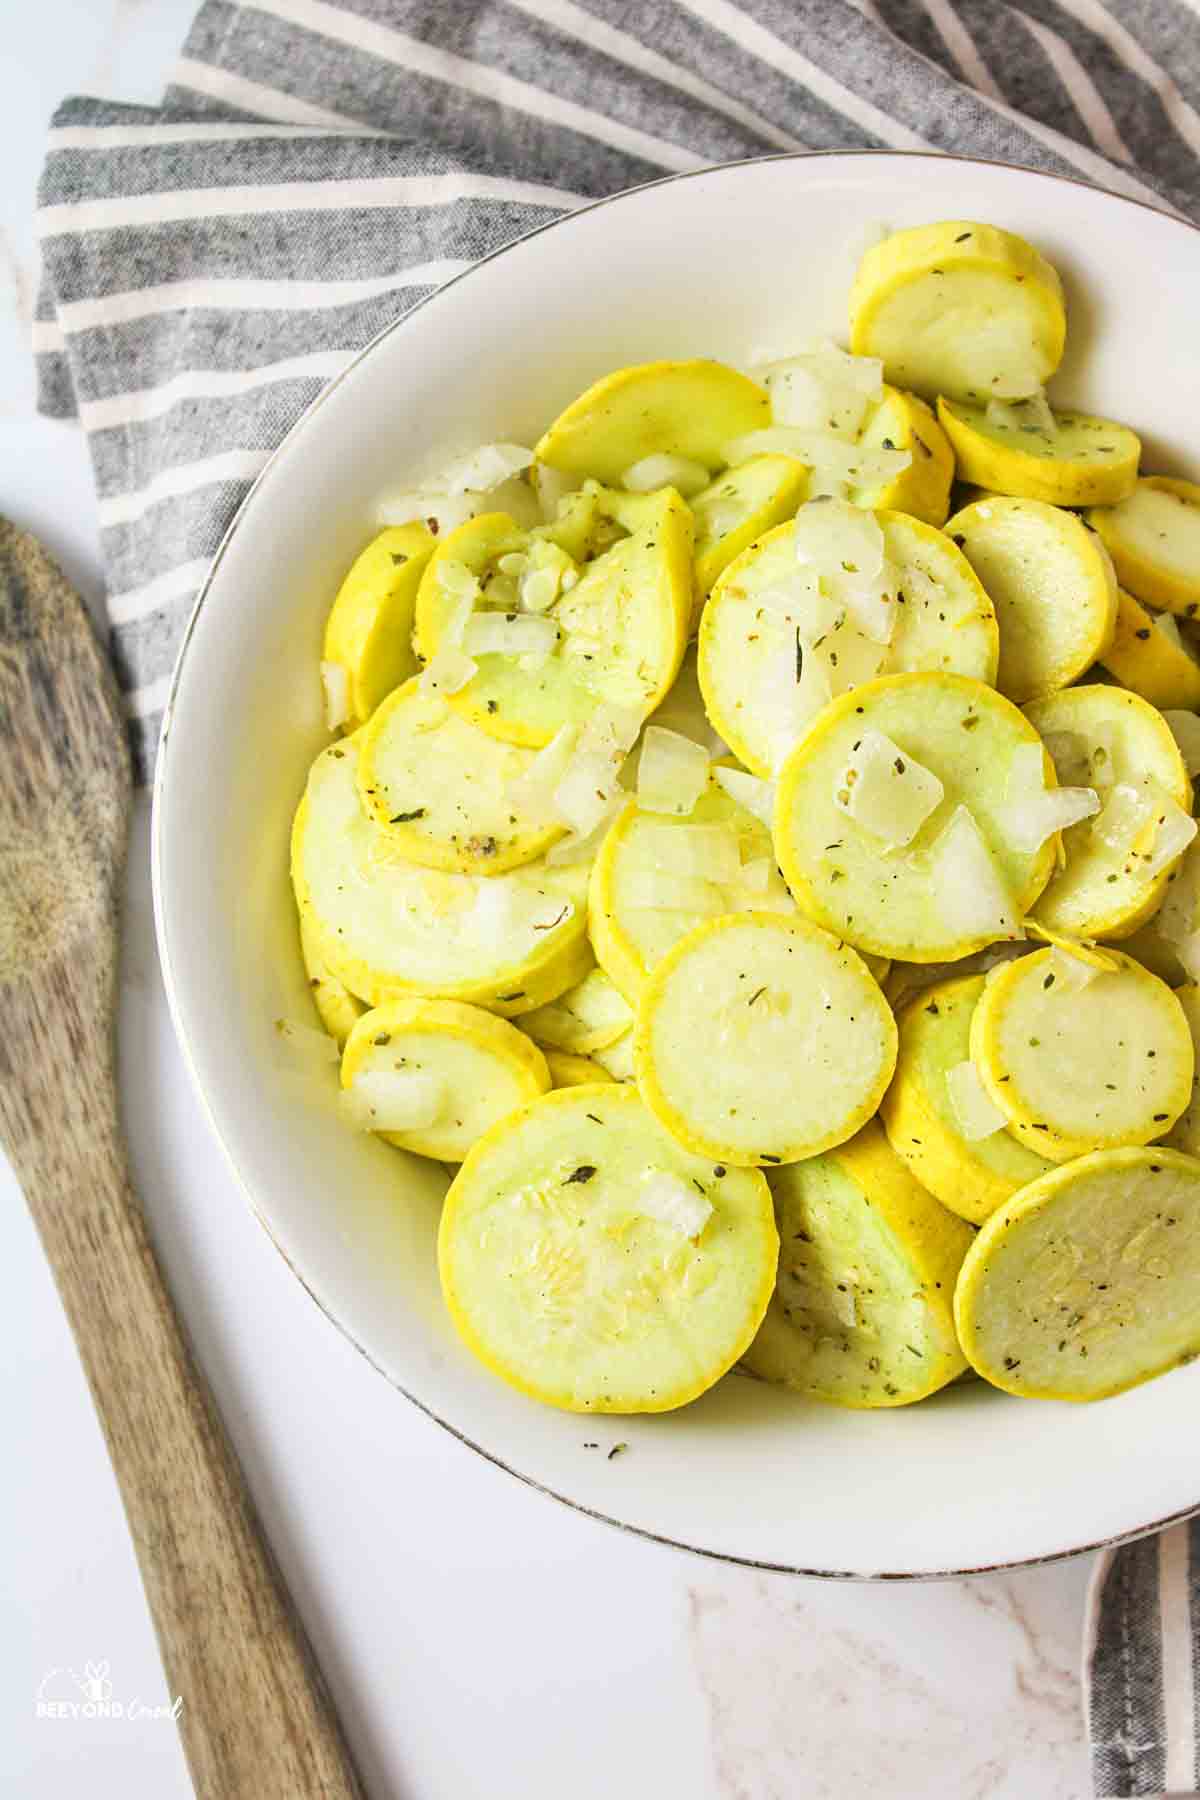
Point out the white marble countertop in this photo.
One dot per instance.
(480, 1640)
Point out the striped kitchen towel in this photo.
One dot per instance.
(318, 166)
(1141, 1664)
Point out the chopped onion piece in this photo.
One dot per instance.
(799, 601)
(756, 875)
(824, 389)
(586, 788)
(658, 890)
(581, 846)
(392, 1100)
(335, 681)
(1073, 973)
(533, 791)
(750, 792)
(308, 1044)
(551, 487)
(485, 468)
(672, 772)
(1126, 823)
(548, 571)
(1070, 755)
(1174, 831)
(1185, 729)
(843, 546)
(975, 1113)
(885, 791)
(1032, 811)
(673, 1202)
(708, 851)
(1031, 414)
(447, 672)
(680, 472)
(966, 885)
(457, 580)
(1178, 918)
(612, 728)
(443, 513)
(849, 657)
(509, 634)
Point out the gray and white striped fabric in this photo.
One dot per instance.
(318, 166)
(1142, 1666)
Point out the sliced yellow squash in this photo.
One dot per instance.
(904, 422)
(337, 1008)
(1151, 659)
(595, 1264)
(1104, 738)
(1088, 1281)
(958, 883)
(1052, 587)
(1153, 538)
(1076, 1068)
(765, 671)
(972, 1176)
(444, 790)
(1082, 461)
(568, 1070)
(621, 628)
(862, 1309)
(760, 1040)
(588, 1017)
(959, 308)
(738, 507)
(369, 630)
(387, 927)
(455, 1070)
(690, 409)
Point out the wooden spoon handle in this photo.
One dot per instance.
(256, 1721)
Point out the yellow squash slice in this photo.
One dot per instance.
(369, 630)
(738, 507)
(568, 1070)
(1104, 738)
(387, 927)
(646, 892)
(757, 648)
(1082, 461)
(1088, 1282)
(444, 790)
(690, 409)
(337, 1008)
(588, 1017)
(904, 422)
(1149, 656)
(1153, 538)
(595, 1264)
(972, 1176)
(959, 308)
(454, 1069)
(760, 1040)
(1076, 1068)
(1185, 1133)
(862, 1309)
(1052, 587)
(958, 883)
(622, 627)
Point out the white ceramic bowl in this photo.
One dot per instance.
(720, 263)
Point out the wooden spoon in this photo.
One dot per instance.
(256, 1721)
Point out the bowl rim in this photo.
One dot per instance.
(159, 803)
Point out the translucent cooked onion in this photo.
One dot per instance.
(842, 545)
(1072, 973)
(1032, 811)
(652, 472)
(966, 886)
(335, 684)
(886, 791)
(752, 793)
(533, 790)
(673, 1202)
(447, 672)
(672, 772)
(509, 634)
(392, 1100)
(823, 389)
(976, 1115)
(305, 1042)
(800, 602)
(1178, 918)
(1030, 414)
(1185, 729)
(484, 469)
(442, 512)
(849, 657)
(1174, 831)
(710, 852)
(582, 846)
(587, 786)
(551, 487)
